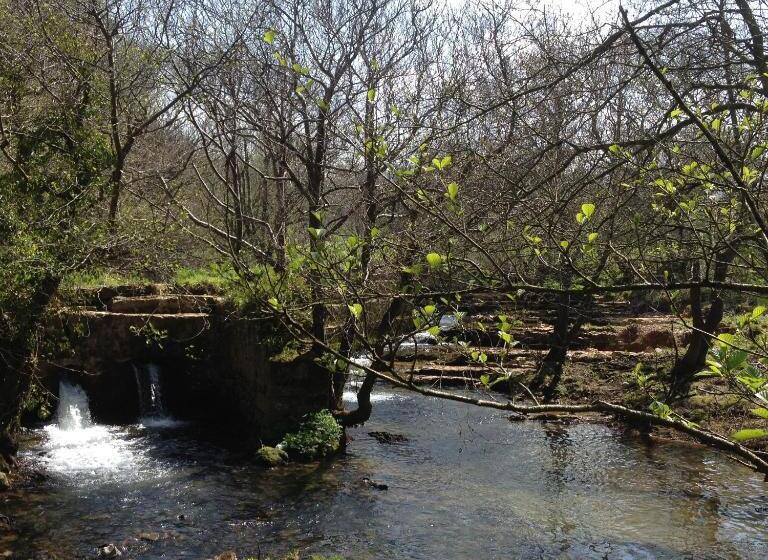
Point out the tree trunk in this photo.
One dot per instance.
(16, 353)
(704, 327)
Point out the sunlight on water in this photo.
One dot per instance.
(351, 397)
(75, 446)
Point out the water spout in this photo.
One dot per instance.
(153, 413)
(150, 391)
(73, 412)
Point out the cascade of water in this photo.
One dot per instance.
(150, 394)
(73, 412)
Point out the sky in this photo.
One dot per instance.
(577, 8)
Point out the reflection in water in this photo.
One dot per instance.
(467, 484)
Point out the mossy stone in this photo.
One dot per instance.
(271, 456)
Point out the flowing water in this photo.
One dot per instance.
(467, 484)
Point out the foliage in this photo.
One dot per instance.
(318, 435)
(741, 359)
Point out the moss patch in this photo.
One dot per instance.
(271, 456)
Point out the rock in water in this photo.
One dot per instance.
(5, 484)
(375, 485)
(388, 438)
(109, 551)
(271, 456)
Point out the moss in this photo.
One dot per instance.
(317, 437)
(271, 456)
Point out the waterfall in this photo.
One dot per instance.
(73, 412)
(150, 392)
(75, 444)
(151, 409)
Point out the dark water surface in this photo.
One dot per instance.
(468, 484)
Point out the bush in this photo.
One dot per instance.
(318, 436)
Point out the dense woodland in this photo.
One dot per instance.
(358, 168)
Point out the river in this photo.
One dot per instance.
(467, 484)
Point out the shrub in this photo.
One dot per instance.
(318, 436)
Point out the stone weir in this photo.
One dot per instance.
(213, 365)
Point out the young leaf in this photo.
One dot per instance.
(588, 209)
(356, 310)
(592, 237)
(434, 260)
(452, 191)
(761, 412)
(371, 95)
(747, 434)
(269, 36)
(429, 310)
(316, 233)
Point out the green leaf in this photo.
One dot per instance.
(716, 124)
(676, 112)
(614, 148)
(429, 310)
(316, 233)
(434, 331)
(588, 209)
(756, 152)
(564, 244)
(442, 163)
(485, 379)
(452, 191)
(660, 409)
(273, 303)
(761, 412)
(592, 237)
(356, 310)
(726, 340)
(269, 36)
(371, 95)
(758, 311)
(506, 337)
(753, 433)
(434, 260)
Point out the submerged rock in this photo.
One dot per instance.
(108, 551)
(388, 437)
(151, 536)
(271, 456)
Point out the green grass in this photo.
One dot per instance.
(99, 278)
(218, 276)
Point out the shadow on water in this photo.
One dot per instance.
(465, 484)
